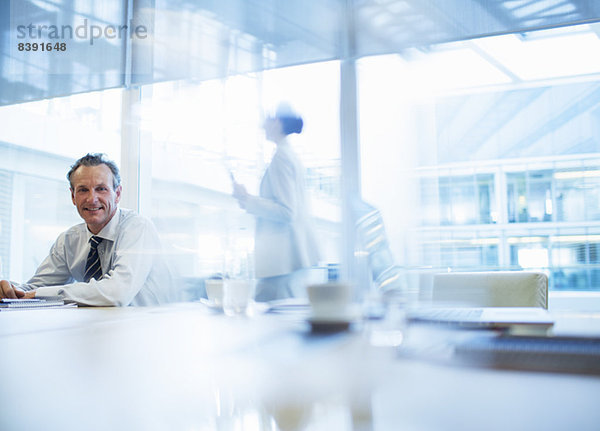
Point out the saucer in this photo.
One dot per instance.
(333, 322)
(211, 304)
(328, 326)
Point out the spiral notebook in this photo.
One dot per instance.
(7, 304)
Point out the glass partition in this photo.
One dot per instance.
(476, 131)
(38, 143)
(201, 133)
(491, 164)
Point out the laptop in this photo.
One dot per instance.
(483, 317)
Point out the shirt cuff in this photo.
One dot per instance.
(50, 291)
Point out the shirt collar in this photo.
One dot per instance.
(109, 231)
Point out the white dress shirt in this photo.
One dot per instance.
(135, 272)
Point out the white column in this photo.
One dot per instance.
(352, 265)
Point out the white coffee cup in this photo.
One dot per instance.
(214, 291)
(330, 301)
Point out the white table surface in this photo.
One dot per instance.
(184, 367)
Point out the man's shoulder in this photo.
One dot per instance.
(76, 230)
(130, 215)
(71, 235)
(129, 218)
(135, 227)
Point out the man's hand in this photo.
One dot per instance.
(7, 290)
(29, 295)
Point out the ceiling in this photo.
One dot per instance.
(387, 26)
(203, 39)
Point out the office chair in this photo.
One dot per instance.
(492, 289)
(371, 238)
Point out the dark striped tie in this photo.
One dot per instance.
(93, 268)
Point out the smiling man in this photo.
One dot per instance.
(112, 259)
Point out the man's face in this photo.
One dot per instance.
(93, 194)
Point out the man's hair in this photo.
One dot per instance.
(96, 159)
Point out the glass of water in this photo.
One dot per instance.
(239, 283)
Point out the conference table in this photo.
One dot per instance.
(186, 366)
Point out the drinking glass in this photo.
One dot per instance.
(239, 283)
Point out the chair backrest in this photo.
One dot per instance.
(492, 289)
